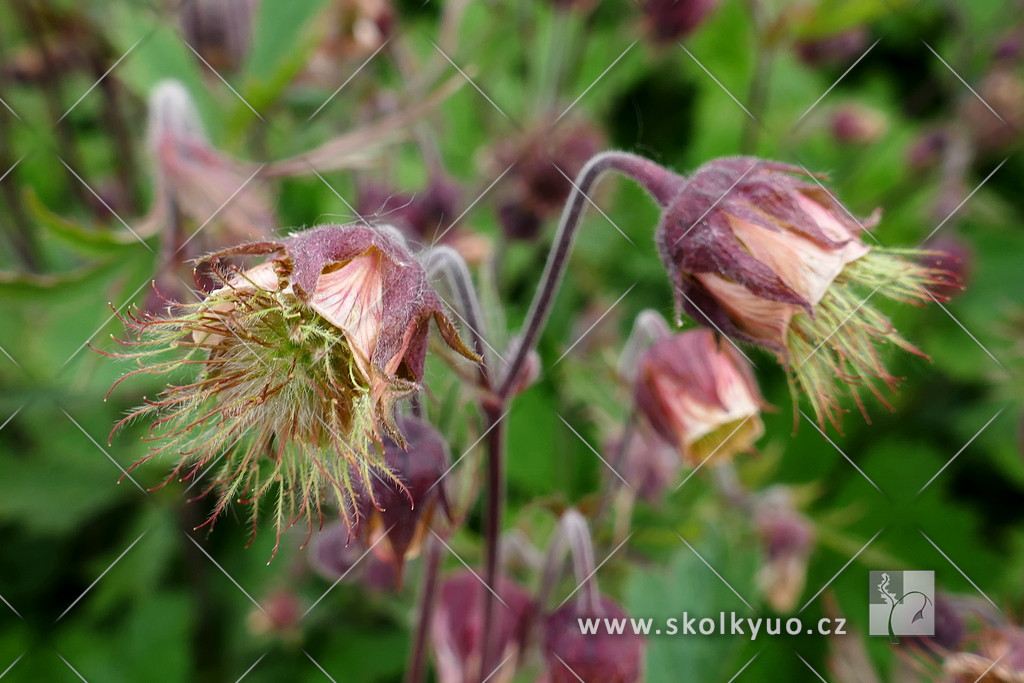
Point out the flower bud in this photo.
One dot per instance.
(422, 217)
(855, 124)
(699, 394)
(337, 554)
(573, 656)
(1002, 91)
(301, 360)
(949, 629)
(573, 5)
(834, 50)
(280, 615)
(927, 151)
(764, 254)
(457, 630)
(1010, 49)
(543, 161)
(788, 539)
(668, 21)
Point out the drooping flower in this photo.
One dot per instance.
(999, 658)
(336, 555)
(573, 656)
(430, 216)
(649, 463)
(301, 360)
(457, 630)
(763, 253)
(198, 182)
(699, 394)
(399, 510)
(836, 50)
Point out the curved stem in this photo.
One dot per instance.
(572, 534)
(428, 598)
(444, 259)
(661, 183)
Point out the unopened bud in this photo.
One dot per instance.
(279, 615)
(953, 256)
(855, 124)
(788, 539)
(457, 630)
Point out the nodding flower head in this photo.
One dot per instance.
(541, 163)
(574, 656)
(301, 360)
(763, 253)
(699, 394)
(199, 182)
(457, 631)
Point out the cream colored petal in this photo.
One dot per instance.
(759, 318)
(350, 298)
(697, 416)
(803, 264)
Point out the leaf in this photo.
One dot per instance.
(829, 17)
(94, 242)
(281, 46)
(687, 587)
(22, 285)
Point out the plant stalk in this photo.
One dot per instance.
(662, 185)
(428, 599)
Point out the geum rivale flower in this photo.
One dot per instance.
(764, 254)
(301, 360)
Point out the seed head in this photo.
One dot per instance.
(301, 360)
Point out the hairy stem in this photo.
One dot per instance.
(572, 534)
(495, 496)
(428, 599)
(757, 96)
(661, 183)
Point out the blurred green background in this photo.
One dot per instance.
(157, 606)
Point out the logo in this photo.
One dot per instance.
(901, 604)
